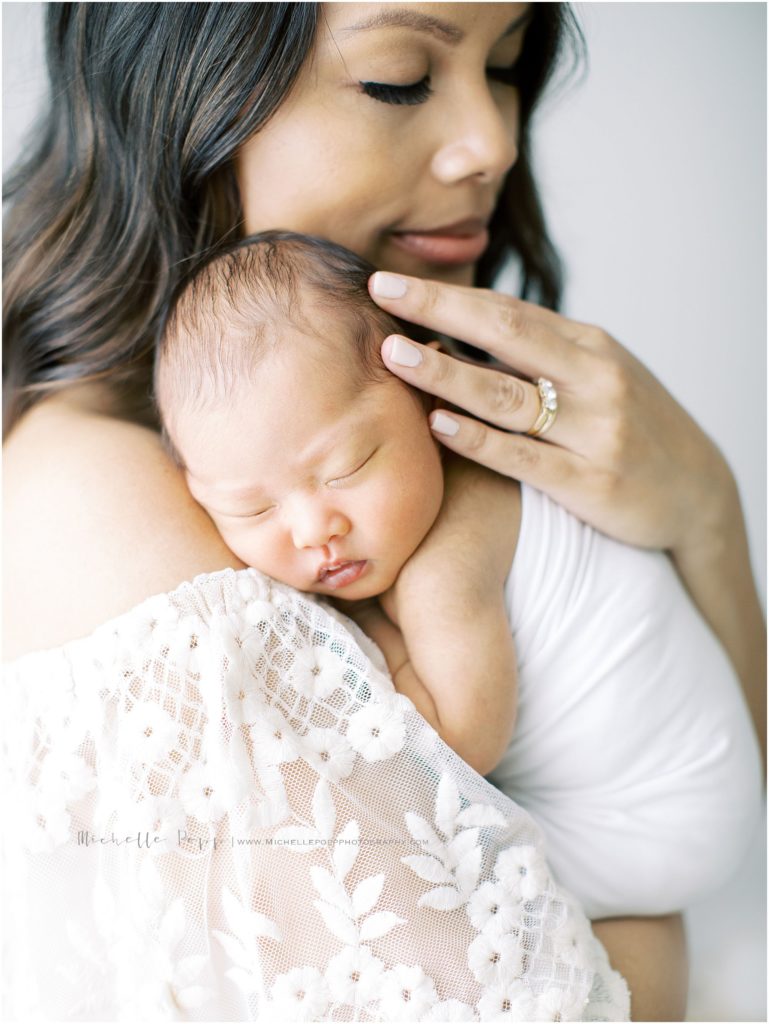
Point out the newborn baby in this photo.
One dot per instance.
(629, 740)
(318, 466)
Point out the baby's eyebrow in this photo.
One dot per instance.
(236, 501)
(217, 497)
(237, 493)
(342, 439)
(253, 493)
(348, 432)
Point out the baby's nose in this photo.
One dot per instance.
(315, 528)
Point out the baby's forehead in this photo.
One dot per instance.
(327, 344)
(288, 425)
(327, 336)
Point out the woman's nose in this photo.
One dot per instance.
(314, 525)
(482, 140)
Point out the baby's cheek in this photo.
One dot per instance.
(415, 500)
(427, 483)
(242, 541)
(235, 542)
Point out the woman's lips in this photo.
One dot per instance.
(450, 245)
(342, 574)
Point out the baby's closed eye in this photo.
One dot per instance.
(357, 467)
(251, 514)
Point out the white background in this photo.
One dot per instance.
(653, 173)
(654, 178)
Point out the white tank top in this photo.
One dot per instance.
(633, 746)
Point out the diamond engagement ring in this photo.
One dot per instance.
(548, 408)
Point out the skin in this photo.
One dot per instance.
(604, 480)
(358, 477)
(378, 167)
(608, 457)
(96, 495)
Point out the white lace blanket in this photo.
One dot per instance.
(219, 809)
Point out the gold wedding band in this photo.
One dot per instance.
(548, 408)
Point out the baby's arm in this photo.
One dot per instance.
(446, 636)
(460, 675)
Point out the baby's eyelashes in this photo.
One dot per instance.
(247, 515)
(352, 472)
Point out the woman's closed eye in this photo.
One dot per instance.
(399, 95)
(418, 92)
(505, 76)
(347, 476)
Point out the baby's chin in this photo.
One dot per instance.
(355, 592)
(358, 595)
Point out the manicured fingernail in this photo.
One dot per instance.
(388, 286)
(403, 353)
(443, 424)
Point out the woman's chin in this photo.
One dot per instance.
(464, 275)
(461, 275)
(401, 263)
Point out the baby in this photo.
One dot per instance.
(632, 745)
(318, 466)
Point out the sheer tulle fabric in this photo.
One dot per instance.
(219, 809)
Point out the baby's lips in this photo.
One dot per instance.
(341, 573)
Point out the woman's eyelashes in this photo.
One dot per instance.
(399, 95)
(419, 92)
(505, 76)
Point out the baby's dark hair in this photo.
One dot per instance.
(230, 314)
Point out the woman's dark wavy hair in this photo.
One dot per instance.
(129, 185)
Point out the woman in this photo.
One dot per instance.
(171, 124)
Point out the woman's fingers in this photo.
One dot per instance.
(622, 454)
(545, 466)
(504, 400)
(532, 340)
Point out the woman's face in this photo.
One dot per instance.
(397, 136)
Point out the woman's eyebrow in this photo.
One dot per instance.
(402, 17)
(519, 22)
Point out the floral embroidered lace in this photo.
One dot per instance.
(219, 809)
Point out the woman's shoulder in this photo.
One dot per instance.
(96, 519)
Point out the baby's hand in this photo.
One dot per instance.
(443, 625)
(466, 557)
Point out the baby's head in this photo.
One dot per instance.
(315, 463)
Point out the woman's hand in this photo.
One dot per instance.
(622, 455)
